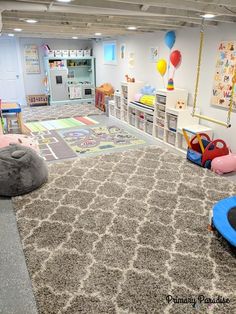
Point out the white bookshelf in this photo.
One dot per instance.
(164, 121)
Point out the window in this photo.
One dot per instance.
(110, 52)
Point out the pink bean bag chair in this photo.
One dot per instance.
(24, 140)
(224, 164)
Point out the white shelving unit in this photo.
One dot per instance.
(168, 120)
(163, 121)
(128, 91)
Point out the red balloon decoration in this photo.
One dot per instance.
(175, 58)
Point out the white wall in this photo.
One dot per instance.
(34, 82)
(187, 41)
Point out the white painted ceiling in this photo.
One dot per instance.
(83, 18)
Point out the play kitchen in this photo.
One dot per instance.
(70, 79)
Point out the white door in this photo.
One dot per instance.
(11, 81)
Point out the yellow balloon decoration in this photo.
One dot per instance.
(161, 66)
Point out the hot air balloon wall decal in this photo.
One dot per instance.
(174, 61)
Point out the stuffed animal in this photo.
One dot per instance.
(181, 104)
(224, 164)
(129, 79)
(148, 90)
(20, 139)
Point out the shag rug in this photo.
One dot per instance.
(126, 233)
(58, 111)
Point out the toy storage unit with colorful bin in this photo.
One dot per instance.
(169, 118)
(117, 105)
(122, 99)
(164, 120)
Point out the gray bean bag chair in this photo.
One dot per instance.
(22, 170)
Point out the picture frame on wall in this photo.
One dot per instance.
(31, 58)
(131, 60)
(122, 51)
(154, 54)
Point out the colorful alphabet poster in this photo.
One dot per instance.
(225, 70)
(32, 65)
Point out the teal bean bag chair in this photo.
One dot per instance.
(22, 170)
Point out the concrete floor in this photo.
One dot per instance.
(16, 296)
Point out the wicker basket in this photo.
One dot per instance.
(37, 100)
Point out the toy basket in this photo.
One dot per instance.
(37, 100)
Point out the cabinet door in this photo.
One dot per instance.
(59, 89)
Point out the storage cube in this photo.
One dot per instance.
(51, 53)
(58, 53)
(149, 127)
(112, 109)
(65, 53)
(73, 53)
(87, 53)
(160, 132)
(80, 53)
(117, 113)
(171, 138)
(132, 119)
(172, 122)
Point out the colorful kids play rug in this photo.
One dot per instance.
(92, 140)
(48, 125)
(70, 137)
(51, 145)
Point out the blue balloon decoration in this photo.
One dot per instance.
(170, 39)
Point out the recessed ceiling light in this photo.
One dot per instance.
(64, 1)
(18, 29)
(11, 35)
(131, 28)
(31, 21)
(208, 16)
(74, 37)
(98, 34)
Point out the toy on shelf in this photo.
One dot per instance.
(146, 96)
(202, 150)
(129, 79)
(224, 164)
(181, 104)
(148, 90)
(223, 219)
(170, 85)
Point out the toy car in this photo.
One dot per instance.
(202, 150)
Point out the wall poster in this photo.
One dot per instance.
(131, 61)
(31, 55)
(122, 51)
(225, 69)
(153, 54)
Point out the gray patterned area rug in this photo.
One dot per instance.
(58, 111)
(127, 233)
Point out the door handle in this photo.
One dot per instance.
(17, 76)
